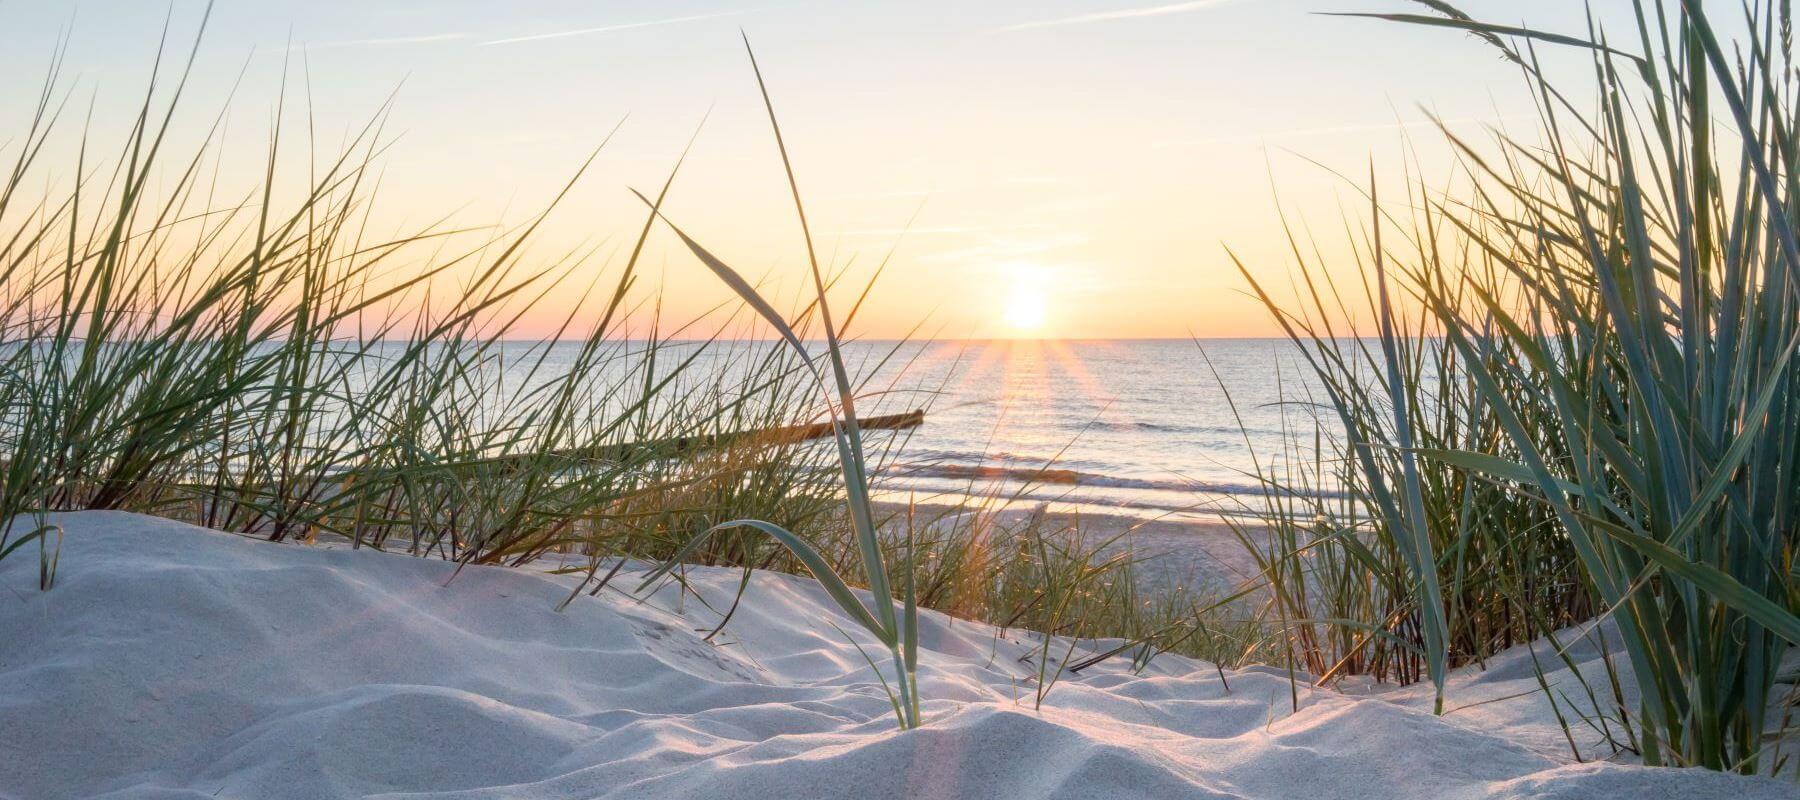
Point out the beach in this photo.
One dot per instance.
(175, 662)
(1089, 399)
(1193, 552)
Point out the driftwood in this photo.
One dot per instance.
(681, 444)
(653, 448)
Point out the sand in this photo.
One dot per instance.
(1199, 552)
(173, 662)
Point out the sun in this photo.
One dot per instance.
(1025, 310)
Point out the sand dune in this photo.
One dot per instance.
(173, 662)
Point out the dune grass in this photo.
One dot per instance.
(265, 363)
(1053, 581)
(1586, 409)
(1576, 404)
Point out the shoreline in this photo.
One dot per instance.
(1203, 555)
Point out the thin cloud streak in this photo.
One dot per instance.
(608, 28)
(1123, 13)
(941, 230)
(398, 40)
(1332, 130)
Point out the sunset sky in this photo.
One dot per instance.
(1071, 168)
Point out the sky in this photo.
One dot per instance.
(1067, 168)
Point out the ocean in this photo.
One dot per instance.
(1141, 427)
(1149, 428)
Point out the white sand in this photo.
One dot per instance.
(172, 662)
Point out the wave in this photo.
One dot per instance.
(1055, 476)
(921, 457)
(1117, 425)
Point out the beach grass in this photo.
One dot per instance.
(1586, 412)
(1575, 408)
(266, 364)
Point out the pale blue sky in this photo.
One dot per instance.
(1103, 149)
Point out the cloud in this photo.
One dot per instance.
(944, 230)
(1338, 130)
(607, 28)
(1122, 13)
(997, 249)
(424, 39)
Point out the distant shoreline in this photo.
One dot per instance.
(1200, 554)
